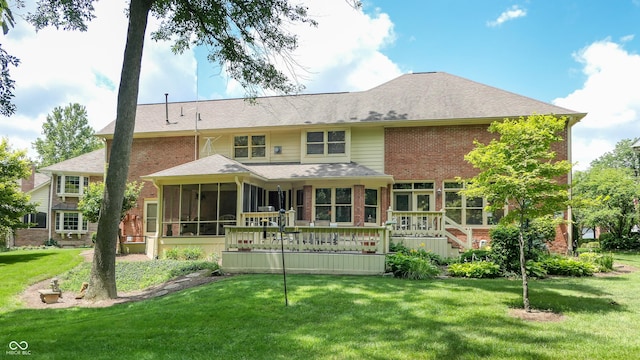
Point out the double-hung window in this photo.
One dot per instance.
(334, 204)
(249, 146)
(332, 142)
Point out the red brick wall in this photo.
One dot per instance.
(432, 153)
(436, 153)
(147, 157)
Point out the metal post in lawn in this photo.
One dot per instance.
(281, 224)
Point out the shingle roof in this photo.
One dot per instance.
(218, 164)
(410, 97)
(87, 164)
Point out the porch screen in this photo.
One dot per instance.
(198, 209)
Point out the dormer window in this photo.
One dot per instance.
(250, 146)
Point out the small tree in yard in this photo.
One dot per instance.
(519, 168)
(14, 204)
(92, 200)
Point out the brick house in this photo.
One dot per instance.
(56, 191)
(350, 166)
(383, 157)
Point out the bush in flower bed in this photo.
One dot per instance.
(411, 263)
(190, 253)
(475, 269)
(560, 265)
(602, 262)
(411, 266)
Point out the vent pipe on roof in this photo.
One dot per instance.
(181, 113)
(166, 107)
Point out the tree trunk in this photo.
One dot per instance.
(523, 270)
(102, 283)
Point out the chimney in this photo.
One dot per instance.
(28, 184)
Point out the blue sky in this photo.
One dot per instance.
(580, 54)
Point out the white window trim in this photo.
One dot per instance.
(61, 189)
(59, 221)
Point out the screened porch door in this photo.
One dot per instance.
(412, 201)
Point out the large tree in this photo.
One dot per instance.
(67, 134)
(606, 198)
(243, 35)
(14, 204)
(7, 108)
(621, 157)
(519, 168)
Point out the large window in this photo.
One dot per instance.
(326, 142)
(333, 204)
(198, 209)
(71, 185)
(36, 220)
(71, 222)
(467, 210)
(249, 147)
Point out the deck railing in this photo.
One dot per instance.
(416, 223)
(268, 218)
(370, 239)
(427, 224)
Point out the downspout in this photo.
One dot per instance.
(570, 181)
(51, 223)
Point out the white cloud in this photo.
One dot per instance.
(512, 13)
(343, 53)
(611, 97)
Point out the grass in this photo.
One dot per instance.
(347, 317)
(22, 268)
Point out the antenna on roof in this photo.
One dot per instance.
(166, 107)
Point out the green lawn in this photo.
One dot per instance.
(18, 269)
(337, 317)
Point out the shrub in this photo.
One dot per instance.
(410, 267)
(535, 269)
(191, 253)
(475, 255)
(421, 253)
(602, 262)
(172, 254)
(475, 269)
(505, 248)
(560, 265)
(610, 242)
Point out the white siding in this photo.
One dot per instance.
(367, 147)
(40, 197)
(290, 144)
